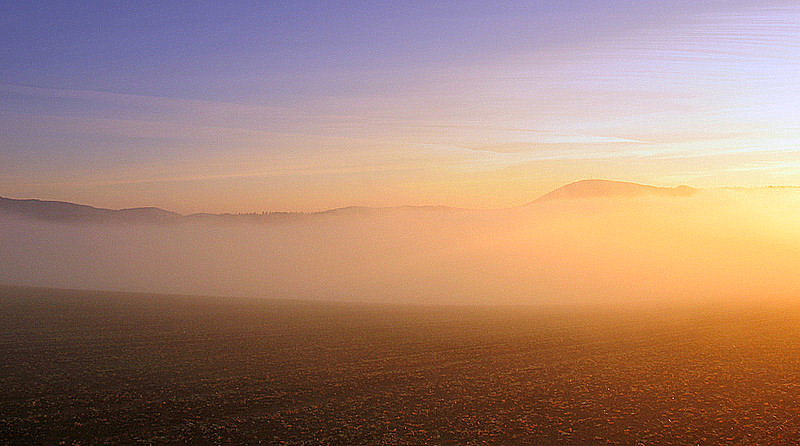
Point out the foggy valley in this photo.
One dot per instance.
(551, 222)
(616, 247)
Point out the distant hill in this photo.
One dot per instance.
(608, 188)
(61, 210)
(64, 211)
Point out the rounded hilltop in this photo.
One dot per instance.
(611, 188)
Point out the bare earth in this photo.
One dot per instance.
(94, 368)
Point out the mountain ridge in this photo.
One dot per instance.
(612, 188)
(66, 211)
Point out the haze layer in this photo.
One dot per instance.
(710, 245)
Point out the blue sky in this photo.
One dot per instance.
(307, 105)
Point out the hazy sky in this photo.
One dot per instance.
(251, 106)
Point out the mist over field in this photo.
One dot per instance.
(727, 245)
(400, 223)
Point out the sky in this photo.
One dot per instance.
(257, 106)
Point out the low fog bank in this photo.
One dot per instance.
(715, 245)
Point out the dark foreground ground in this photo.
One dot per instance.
(115, 368)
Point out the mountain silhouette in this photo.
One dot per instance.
(62, 210)
(65, 211)
(609, 188)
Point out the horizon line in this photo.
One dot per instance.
(356, 206)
